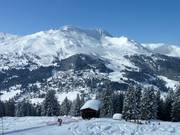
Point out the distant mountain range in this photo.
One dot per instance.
(74, 60)
(165, 49)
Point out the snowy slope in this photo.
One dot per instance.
(170, 50)
(72, 126)
(169, 83)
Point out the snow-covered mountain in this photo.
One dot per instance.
(6, 37)
(165, 49)
(76, 60)
(43, 46)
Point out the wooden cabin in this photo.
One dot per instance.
(91, 109)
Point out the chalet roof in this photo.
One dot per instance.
(92, 104)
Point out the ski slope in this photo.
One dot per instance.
(77, 126)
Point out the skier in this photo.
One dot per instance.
(59, 122)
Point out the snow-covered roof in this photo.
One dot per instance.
(92, 104)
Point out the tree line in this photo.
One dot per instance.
(139, 103)
(147, 104)
(49, 107)
(134, 104)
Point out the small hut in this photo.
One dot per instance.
(91, 109)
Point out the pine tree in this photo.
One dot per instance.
(76, 105)
(10, 108)
(132, 100)
(118, 102)
(168, 105)
(128, 107)
(161, 113)
(2, 109)
(82, 99)
(24, 108)
(21, 109)
(137, 102)
(148, 104)
(155, 104)
(50, 105)
(18, 110)
(65, 107)
(106, 98)
(38, 109)
(176, 105)
(159, 104)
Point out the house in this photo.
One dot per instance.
(91, 109)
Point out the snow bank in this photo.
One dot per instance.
(117, 116)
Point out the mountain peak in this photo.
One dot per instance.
(4, 36)
(96, 33)
(69, 27)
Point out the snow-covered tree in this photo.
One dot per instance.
(2, 109)
(82, 99)
(65, 107)
(107, 103)
(176, 105)
(75, 107)
(10, 108)
(50, 105)
(159, 104)
(148, 104)
(118, 102)
(132, 100)
(19, 110)
(168, 105)
(38, 109)
(24, 108)
(137, 102)
(128, 107)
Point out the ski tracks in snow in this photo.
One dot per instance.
(105, 127)
(102, 126)
(95, 128)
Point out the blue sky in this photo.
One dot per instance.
(141, 20)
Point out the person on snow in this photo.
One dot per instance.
(59, 122)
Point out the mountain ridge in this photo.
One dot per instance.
(7, 39)
(77, 60)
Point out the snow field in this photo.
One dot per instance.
(77, 126)
(113, 127)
